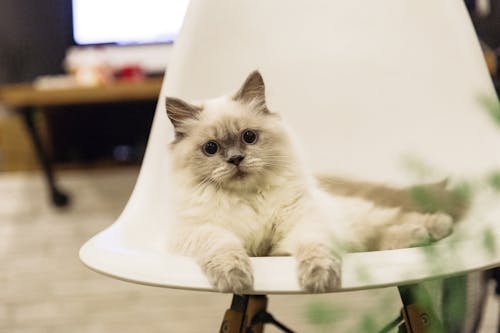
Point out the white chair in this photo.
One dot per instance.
(371, 83)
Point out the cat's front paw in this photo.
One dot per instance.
(439, 226)
(230, 272)
(319, 272)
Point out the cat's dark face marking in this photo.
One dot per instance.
(233, 149)
(231, 142)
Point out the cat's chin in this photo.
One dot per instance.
(239, 175)
(240, 180)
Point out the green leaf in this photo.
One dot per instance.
(368, 324)
(489, 241)
(417, 166)
(424, 198)
(323, 313)
(492, 106)
(462, 192)
(494, 180)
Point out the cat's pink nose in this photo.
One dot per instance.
(236, 159)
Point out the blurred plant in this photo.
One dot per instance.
(425, 199)
(368, 324)
(489, 241)
(455, 303)
(417, 167)
(456, 201)
(492, 106)
(327, 317)
(493, 180)
(324, 315)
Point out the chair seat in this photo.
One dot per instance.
(467, 249)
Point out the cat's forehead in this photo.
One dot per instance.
(224, 116)
(221, 107)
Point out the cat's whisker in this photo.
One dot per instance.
(277, 163)
(288, 158)
(255, 163)
(220, 173)
(201, 186)
(209, 180)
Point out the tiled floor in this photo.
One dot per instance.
(45, 288)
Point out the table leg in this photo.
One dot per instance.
(59, 199)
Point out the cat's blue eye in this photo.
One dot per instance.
(249, 136)
(210, 148)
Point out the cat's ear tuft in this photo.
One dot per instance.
(178, 111)
(253, 90)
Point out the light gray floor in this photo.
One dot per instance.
(44, 287)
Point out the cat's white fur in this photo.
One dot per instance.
(275, 211)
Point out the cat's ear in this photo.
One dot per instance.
(178, 111)
(253, 91)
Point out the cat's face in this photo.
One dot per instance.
(232, 142)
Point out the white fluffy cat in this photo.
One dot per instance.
(242, 190)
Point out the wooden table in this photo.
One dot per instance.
(26, 99)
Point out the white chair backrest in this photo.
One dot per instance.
(363, 83)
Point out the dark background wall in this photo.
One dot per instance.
(34, 36)
(487, 27)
